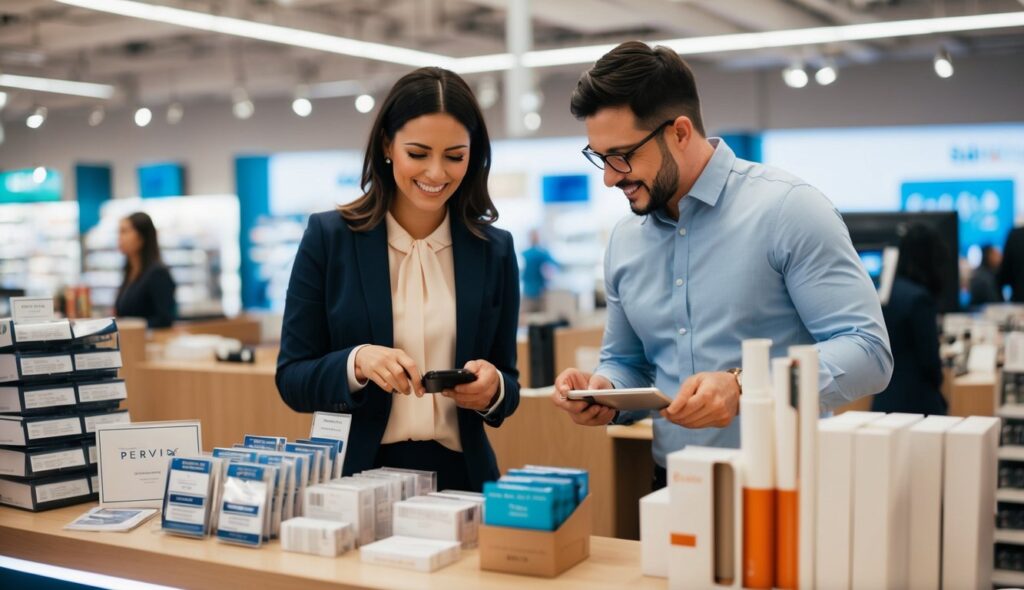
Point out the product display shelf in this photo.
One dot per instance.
(1009, 499)
(39, 248)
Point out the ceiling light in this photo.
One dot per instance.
(826, 74)
(39, 175)
(86, 89)
(175, 112)
(795, 76)
(37, 118)
(143, 116)
(487, 92)
(241, 106)
(531, 121)
(530, 101)
(97, 115)
(264, 32)
(943, 64)
(365, 103)
(302, 107)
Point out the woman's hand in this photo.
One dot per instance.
(390, 368)
(480, 394)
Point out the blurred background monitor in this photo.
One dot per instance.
(872, 233)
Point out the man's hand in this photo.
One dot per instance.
(582, 412)
(706, 400)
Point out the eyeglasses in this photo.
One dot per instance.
(620, 162)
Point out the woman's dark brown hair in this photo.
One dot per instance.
(424, 92)
(149, 254)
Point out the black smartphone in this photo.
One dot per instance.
(437, 381)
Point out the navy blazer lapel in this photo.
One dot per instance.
(372, 259)
(470, 270)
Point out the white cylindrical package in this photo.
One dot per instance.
(317, 537)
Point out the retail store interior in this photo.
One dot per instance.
(231, 122)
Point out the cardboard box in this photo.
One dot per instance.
(835, 497)
(538, 553)
(969, 503)
(881, 503)
(927, 459)
(705, 518)
(654, 533)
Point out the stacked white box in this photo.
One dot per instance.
(706, 495)
(881, 503)
(344, 503)
(835, 497)
(654, 533)
(927, 458)
(969, 503)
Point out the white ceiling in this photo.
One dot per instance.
(151, 62)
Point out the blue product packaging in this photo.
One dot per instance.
(244, 505)
(334, 445)
(266, 443)
(582, 476)
(565, 492)
(235, 454)
(518, 506)
(316, 455)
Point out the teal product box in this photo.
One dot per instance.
(519, 506)
(582, 476)
(565, 492)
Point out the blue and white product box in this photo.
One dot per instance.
(565, 492)
(331, 449)
(431, 517)
(317, 537)
(343, 501)
(337, 455)
(43, 461)
(238, 454)
(288, 470)
(92, 421)
(474, 497)
(422, 555)
(316, 458)
(98, 360)
(519, 506)
(19, 431)
(244, 504)
(267, 443)
(327, 425)
(17, 366)
(582, 476)
(189, 495)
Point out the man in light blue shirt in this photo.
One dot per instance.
(720, 250)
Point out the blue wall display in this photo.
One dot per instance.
(745, 145)
(93, 187)
(252, 186)
(29, 186)
(985, 207)
(570, 188)
(165, 179)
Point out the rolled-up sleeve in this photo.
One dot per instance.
(833, 295)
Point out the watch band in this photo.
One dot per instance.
(737, 374)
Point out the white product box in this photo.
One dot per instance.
(383, 501)
(424, 555)
(654, 533)
(317, 537)
(835, 497)
(705, 518)
(342, 502)
(881, 503)
(969, 503)
(445, 519)
(927, 458)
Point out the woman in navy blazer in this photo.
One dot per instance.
(427, 162)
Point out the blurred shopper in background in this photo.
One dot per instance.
(984, 284)
(147, 290)
(537, 264)
(1011, 271)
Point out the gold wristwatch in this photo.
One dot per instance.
(738, 374)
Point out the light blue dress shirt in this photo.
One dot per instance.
(756, 253)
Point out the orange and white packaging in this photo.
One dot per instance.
(757, 443)
(705, 520)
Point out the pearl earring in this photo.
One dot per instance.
(387, 160)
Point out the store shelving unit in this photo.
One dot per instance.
(39, 248)
(1009, 533)
(198, 242)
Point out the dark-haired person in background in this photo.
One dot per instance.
(1011, 271)
(147, 290)
(371, 304)
(984, 286)
(720, 250)
(910, 317)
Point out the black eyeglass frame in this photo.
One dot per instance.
(601, 160)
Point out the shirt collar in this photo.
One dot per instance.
(711, 182)
(400, 239)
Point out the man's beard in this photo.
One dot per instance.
(666, 184)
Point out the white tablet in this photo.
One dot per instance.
(641, 398)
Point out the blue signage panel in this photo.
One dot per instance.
(985, 207)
